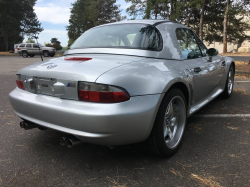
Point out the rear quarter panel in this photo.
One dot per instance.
(150, 76)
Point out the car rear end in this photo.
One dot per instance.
(61, 94)
(16, 48)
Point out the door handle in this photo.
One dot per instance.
(223, 63)
(197, 69)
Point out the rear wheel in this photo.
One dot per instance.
(169, 125)
(52, 55)
(25, 54)
(32, 55)
(229, 84)
(46, 54)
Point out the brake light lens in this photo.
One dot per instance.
(19, 82)
(77, 58)
(101, 93)
(17, 48)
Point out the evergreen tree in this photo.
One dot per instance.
(86, 14)
(16, 19)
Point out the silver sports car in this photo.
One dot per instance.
(124, 83)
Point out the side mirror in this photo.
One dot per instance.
(212, 52)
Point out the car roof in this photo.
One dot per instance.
(141, 21)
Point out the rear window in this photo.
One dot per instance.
(22, 45)
(129, 36)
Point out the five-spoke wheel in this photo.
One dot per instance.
(169, 125)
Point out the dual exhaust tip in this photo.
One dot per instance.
(70, 142)
(27, 125)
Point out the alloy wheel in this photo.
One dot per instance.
(174, 122)
(230, 81)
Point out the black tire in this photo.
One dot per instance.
(158, 143)
(228, 91)
(52, 55)
(32, 55)
(25, 54)
(46, 53)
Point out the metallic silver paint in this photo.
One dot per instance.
(146, 75)
(106, 124)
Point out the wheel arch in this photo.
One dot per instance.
(182, 86)
(233, 63)
(187, 92)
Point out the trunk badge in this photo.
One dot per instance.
(51, 66)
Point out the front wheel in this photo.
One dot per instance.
(46, 54)
(25, 54)
(169, 125)
(227, 93)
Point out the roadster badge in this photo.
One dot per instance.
(51, 66)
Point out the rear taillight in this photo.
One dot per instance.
(101, 93)
(19, 82)
(17, 48)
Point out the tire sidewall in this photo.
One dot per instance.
(226, 94)
(159, 135)
(25, 54)
(46, 54)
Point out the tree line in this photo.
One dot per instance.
(86, 14)
(213, 20)
(17, 18)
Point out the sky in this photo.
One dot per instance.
(54, 16)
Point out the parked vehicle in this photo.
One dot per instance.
(16, 50)
(123, 83)
(32, 49)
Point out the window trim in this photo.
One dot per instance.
(195, 41)
(197, 38)
(157, 30)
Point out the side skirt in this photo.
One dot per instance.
(197, 106)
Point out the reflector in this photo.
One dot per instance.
(77, 58)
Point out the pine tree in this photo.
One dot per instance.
(86, 14)
(20, 20)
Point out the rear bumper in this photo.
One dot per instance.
(104, 124)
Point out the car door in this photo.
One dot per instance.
(29, 48)
(35, 49)
(216, 66)
(201, 70)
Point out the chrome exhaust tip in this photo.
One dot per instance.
(27, 125)
(63, 141)
(72, 142)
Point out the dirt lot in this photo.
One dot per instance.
(215, 151)
(235, 54)
(242, 66)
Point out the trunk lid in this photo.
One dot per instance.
(59, 77)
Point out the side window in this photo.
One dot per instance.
(28, 45)
(22, 45)
(188, 44)
(35, 46)
(201, 45)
